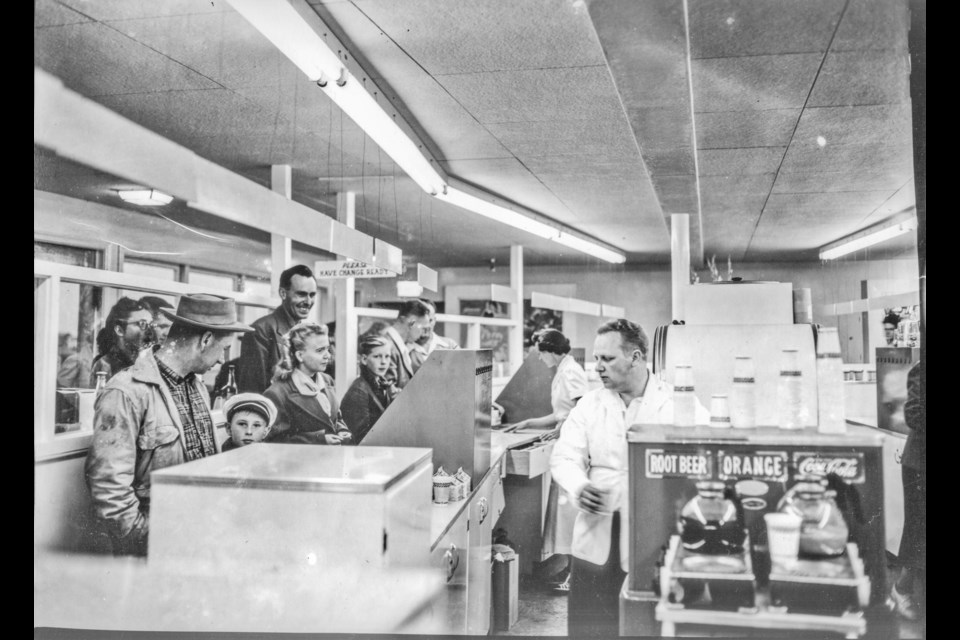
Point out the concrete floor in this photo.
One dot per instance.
(542, 612)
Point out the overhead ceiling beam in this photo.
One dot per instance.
(78, 128)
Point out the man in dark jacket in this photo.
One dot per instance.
(261, 350)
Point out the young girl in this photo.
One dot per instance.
(250, 416)
(308, 411)
(369, 395)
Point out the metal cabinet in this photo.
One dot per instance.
(450, 557)
(527, 489)
(480, 560)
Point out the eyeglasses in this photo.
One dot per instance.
(143, 324)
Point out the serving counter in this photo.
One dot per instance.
(757, 466)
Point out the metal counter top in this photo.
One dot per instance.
(856, 436)
(300, 467)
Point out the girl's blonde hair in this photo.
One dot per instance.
(293, 341)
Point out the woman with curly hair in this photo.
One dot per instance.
(306, 401)
(121, 339)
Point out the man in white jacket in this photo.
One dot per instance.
(590, 462)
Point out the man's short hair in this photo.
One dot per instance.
(632, 335)
(429, 303)
(286, 277)
(892, 318)
(413, 308)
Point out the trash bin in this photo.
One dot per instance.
(505, 587)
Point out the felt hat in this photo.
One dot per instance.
(207, 311)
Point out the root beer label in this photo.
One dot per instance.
(661, 463)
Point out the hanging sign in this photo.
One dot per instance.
(350, 269)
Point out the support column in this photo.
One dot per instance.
(281, 248)
(679, 261)
(515, 346)
(344, 288)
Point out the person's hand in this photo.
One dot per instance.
(331, 438)
(592, 498)
(345, 437)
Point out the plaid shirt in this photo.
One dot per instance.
(194, 414)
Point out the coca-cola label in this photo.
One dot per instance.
(661, 463)
(849, 467)
(761, 465)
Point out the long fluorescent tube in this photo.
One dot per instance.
(867, 237)
(495, 212)
(145, 197)
(590, 248)
(369, 116)
(286, 28)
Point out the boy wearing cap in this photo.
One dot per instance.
(156, 414)
(250, 416)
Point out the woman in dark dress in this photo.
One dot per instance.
(306, 401)
(368, 396)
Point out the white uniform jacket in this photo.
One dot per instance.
(569, 383)
(593, 448)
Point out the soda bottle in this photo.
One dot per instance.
(743, 399)
(101, 383)
(789, 391)
(684, 399)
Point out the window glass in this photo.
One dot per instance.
(64, 254)
(215, 281)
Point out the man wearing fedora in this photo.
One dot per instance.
(156, 414)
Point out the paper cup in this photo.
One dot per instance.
(783, 538)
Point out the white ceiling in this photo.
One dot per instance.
(599, 115)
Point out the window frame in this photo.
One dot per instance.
(48, 444)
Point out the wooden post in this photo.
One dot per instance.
(679, 261)
(344, 288)
(516, 308)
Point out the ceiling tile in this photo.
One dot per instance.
(723, 202)
(47, 13)
(868, 180)
(735, 162)
(660, 128)
(526, 95)
(442, 37)
(736, 129)
(874, 24)
(238, 56)
(888, 124)
(725, 28)
(808, 157)
(96, 60)
(669, 161)
(862, 77)
(107, 10)
(525, 139)
(732, 185)
(824, 206)
(755, 82)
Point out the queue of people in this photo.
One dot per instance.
(155, 410)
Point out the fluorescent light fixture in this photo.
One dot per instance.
(145, 197)
(295, 38)
(290, 33)
(590, 248)
(868, 237)
(495, 212)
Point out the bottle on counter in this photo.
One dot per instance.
(684, 398)
(823, 532)
(709, 524)
(719, 411)
(743, 396)
(101, 384)
(830, 418)
(790, 391)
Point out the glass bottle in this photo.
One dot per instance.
(709, 522)
(743, 398)
(101, 383)
(823, 532)
(230, 388)
(789, 391)
(829, 382)
(684, 399)
(719, 411)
